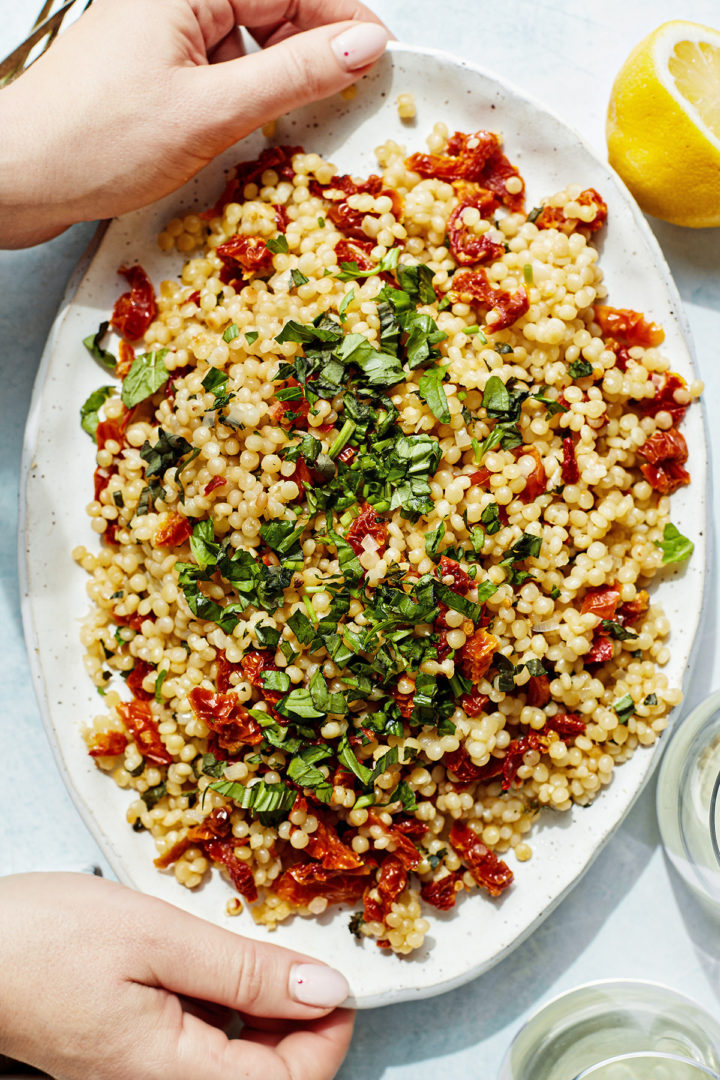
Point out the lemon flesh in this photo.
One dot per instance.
(663, 125)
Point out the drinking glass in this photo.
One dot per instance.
(589, 1026)
(648, 1066)
(688, 800)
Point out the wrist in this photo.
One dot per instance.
(30, 212)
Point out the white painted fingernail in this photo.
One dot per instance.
(359, 45)
(316, 984)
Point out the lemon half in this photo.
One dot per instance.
(663, 125)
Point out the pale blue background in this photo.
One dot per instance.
(629, 916)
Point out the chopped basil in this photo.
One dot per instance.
(276, 680)
(93, 346)
(298, 278)
(535, 213)
(167, 451)
(579, 369)
(624, 708)
(259, 798)
(433, 538)
(203, 545)
(472, 330)
(251, 336)
(617, 630)
(161, 677)
(212, 767)
(528, 273)
(349, 271)
(89, 410)
(278, 244)
(147, 374)
(490, 518)
(502, 347)
(675, 547)
(431, 391)
(231, 332)
(345, 304)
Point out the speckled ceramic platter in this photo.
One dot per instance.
(57, 486)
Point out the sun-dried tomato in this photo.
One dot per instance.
(134, 310)
(536, 481)
(405, 850)
(249, 253)
(567, 725)
(214, 484)
(601, 650)
(346, 455)
(467, 247)
(101, 479)
(488, 870)
(254, 663)
(325, 845)
(404, 702)
(569, 468)
(302, 475)
(391, 882)
(663, 400)
(628, 327)
(476, 158)
(553, 217)
(304, 881)
(458, 581)
(346, 219)
(134, 621)
(230, 721)
(174, 532)
(480, 477)
(107, 743)
(475, 657)
(473, 703)
(601, 601)
(281, 219)
(223, 670)
(516, 752)
(138, 719)
(367, 523)
(239, 872)
(538, 691)
(135, 679)
(665, 446)
(410, 826)
(293, 413)
(461, 765)
(632, 610)
(125, 360)
(665, 451)
(113, 430)
(278, 158)
(443, 892)
(475, 284)
(357, 251)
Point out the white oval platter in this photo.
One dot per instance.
(59, 460)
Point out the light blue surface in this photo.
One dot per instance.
(629, 917)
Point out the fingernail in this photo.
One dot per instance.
(359, 45)
(316, 984)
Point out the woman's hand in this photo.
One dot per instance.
(99, 981)
(136, 97)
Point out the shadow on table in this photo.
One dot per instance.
(442, 1026)
(702, 921)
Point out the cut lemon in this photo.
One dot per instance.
(663, 125)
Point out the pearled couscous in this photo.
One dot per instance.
(380, 494)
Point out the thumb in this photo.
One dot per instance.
(245, 93)
(194, 958)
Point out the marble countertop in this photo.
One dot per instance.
(629, 916)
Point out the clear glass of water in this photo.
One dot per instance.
(646, 1066)
(688, 800)
(590, 1026)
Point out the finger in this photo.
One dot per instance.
(197, 959)
(314, 1052)
(303, 68)
(217, 17)
(231, 47)
(273, 35)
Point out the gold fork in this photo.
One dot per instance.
(46, 27)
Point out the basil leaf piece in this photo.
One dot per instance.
(617, 630)
(579, 369)
(93, 346)
(161, 677)
(432, 540)
(267, 637)
(675, 547)
(230, 333)
(301, 627)
(278, 244)
(212, 767)
(345, 304)
(203, 545)
(275, 680)
(490, 518)
(147, 374)
(416, 281)
(624, 708)
(431, 391)
(259, 798)
(298, 278)
(251, 336)
(496, 398)
(90, 408)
